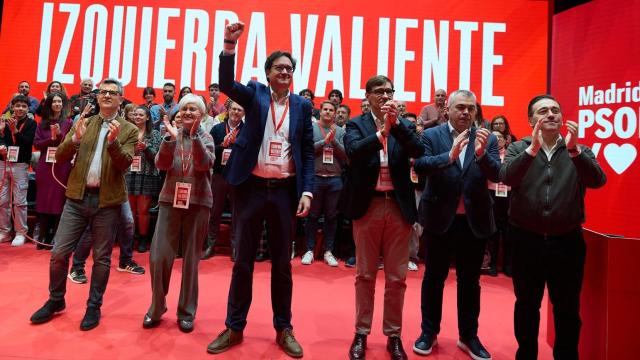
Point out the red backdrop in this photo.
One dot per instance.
(595, 51)
(498, 49)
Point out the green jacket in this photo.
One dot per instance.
(116, 159)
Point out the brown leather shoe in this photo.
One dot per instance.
(358, 347)
(394, 346)
(288, 343)
(225, 340)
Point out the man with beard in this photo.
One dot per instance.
(23, 89)
(342, 115)
(272, 169)
(79, 101)
(169, 106)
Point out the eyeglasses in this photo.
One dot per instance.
(283, 68)
(109, 92)
(382, 92)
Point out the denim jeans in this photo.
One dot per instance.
(76, 216)
(13, 177)
(125, 233)
(326, 192)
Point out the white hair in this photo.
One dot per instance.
(465, 93)
(193, 99)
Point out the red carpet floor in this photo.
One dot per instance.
(323, 309)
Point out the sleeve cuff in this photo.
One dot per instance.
(530, 152)
(575, 152)
(308, 193)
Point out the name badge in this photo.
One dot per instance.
(136, 164)
(276, 147)
(182, 195)
(327, 155)
(51, 154)
(384, 161)
(226, 154)
(385, 176)
(501, 190)
(413, 175)
(12, 153)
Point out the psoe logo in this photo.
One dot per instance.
(612, 115)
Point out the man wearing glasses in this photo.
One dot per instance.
(103, 146)
(271, 168)
(379, 198)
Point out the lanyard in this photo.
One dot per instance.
(188, 162)
(384, 138)
(13, 135)
(273, 116)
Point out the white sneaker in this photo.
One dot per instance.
(307, 258)
(18, 240)
(330, 259)
(412, 266)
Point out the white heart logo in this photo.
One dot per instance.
(620, 157)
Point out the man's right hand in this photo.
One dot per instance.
(536, 138)
(458, 143)
(81, 128)
(233, 31)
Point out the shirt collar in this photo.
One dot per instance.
(280, 101)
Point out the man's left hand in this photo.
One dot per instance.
(482, 138)
(114, 130)
(303, 206)
(571, 139)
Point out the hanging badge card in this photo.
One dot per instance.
(226, 154)
(136, 164)
(327, 155)
(276, 147)
(501, 190)
(12, 153)
(182, 195)
(413, 175)
(51, 155)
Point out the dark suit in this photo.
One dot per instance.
(448, 233)
(256, 199)
(381, 220)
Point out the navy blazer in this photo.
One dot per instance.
(448, 181)
(218, 133)
(255, 99)
(363, 150)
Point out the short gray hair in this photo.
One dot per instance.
(465, 93)
(193, 99)
(115, 82)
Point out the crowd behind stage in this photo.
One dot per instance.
(388, 188)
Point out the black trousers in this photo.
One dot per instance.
(558, 262)
(256, 200)
(469, 252)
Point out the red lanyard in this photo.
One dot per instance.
(384, 138)
(13, 135)
(188, 162)
(273, 116)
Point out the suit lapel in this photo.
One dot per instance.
(293, 121)
(369, 124)
(469, 153)
(265, 101)
(447, 140)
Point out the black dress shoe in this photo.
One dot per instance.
(395, 349)
(424, 345)
(91, 318)
(208, 253)
(186, 326)
(45, 313)
(149, 323)
(358, 347)
(474, 348)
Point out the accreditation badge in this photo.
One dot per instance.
(327, 155)
(136, 164)
(226, 154)
(181, 195)
(12, 153)
(413, 175)
(501, 190)
(275, 151)
(51, 154)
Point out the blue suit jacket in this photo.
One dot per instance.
(448, 181)
(255, 99)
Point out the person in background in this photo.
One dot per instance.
(214, 108)
(365, 107)
(187, 155)
(308, 94)
(184, 91)
(224, 136)
(23, 89)
(402, 108)
(335, 96)
(51, 178)
(208, 121)
(343, 115)
(480, 121)
(53, 87)
(128, 113)
(168, 106)
(149, 96)
(549, 175)
(418, 183)
(143, 180)
(501, 124)
(17, 131)
(78, 102)
(437, 113)
(329, 161)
